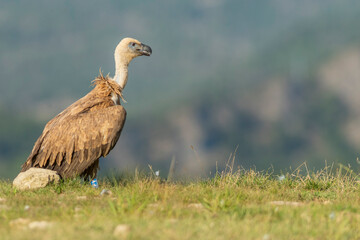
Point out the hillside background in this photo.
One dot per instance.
(278, 81)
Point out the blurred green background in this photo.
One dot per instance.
(279, 80)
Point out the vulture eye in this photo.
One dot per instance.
(132, 45)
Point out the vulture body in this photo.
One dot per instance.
(73, 141)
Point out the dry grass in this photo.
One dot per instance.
(232, 205)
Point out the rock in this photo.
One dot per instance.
(106, 192)
(287, 203)
(195, 205)
(25, 223)
(266, 237)
(19, 223)
(81, 197)
(122, 231)
(35, 178)
(41, 225)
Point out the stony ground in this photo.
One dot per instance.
(240, 205)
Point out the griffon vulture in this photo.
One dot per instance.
(73, 141)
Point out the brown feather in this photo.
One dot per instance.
(74, 140)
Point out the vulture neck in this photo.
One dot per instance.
(121, 71)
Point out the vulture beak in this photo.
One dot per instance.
(145, 50)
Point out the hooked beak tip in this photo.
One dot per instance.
(146, 50)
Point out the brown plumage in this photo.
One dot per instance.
(73, 141)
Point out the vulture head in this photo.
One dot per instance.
(127, 50)
(130, 48)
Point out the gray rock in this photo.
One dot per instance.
(19, 223)
(81, 197)
(122, 231)
(41, 225)
(106, 192)
(35, 178)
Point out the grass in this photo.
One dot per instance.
(232, 205)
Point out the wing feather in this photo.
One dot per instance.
(86, 137)
(85, 142)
